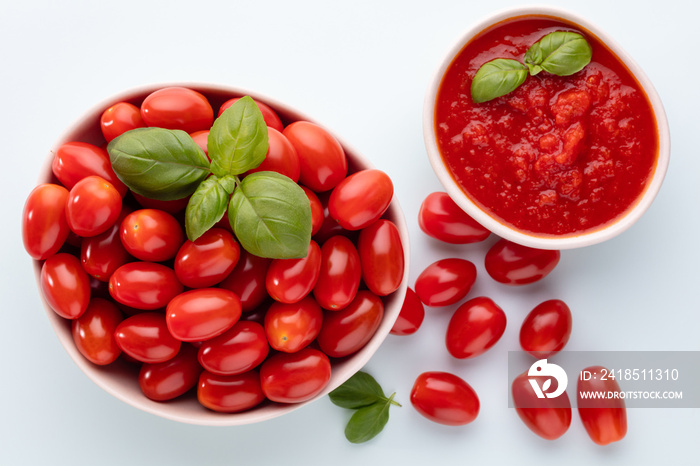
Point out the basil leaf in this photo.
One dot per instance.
(271, 216)
(206, 207)
(561, 53)
(158, 163)
(368, 421)
(359, 390)
(229, 183)
(497, 78)
(237, 140)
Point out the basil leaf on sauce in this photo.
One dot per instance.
(561, 53)
(497, 78)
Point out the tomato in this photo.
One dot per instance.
(171, 207)
(93, 332)
(145, 337)
(361, 198)
(549, 418)
(605, 419)
(93, 206)
(177, 108)
(240, 349)
(290, 280)
(514, 264)
(340, 274)
(201, 138)
(411, 315)
(295, 377)
(65, 285)
(444, 398)
(316, 210)
(74, 161)
(329, 227)
(229, 393)
(291, 327)
(101, 255)
(247, 280)
(198, 315)
(120, 118)
(144, 285)
(346, 331)
(207, 260)
(169, 379)
(151, 235)
(441, 218)
(382, 257)
(445, 282)
(281, 157)
(474, 328)
(269, 115)
(44, 225)
(321, 157)
(546, 329)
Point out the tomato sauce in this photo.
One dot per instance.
(559, 155)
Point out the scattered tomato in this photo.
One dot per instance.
(474, 328)
(441, 218)
(445, 282)
(444, 398)
(605, 419)
(549, 418)
(513, 264)
(546, 329)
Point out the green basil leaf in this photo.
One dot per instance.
(158, 163)
(271, 216)
(237, 140)
(206, 207)
(497, 78)
(359, 390)
(367, 422)
(561, 53)
(229, 183)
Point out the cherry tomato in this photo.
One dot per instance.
(605, 419)
(151, 235)
(44, 226)
(207, 260)
(445, 282)
(514, 264)
(74, 161)
(269, 115)
(346, 331)
(281, 157)
(177, 108)
(441, 218)
(120, 118)
(167, 380)
(546, 329)
(295, 377)
(316, 210)
(329, 227)
(93, 206)
(171, 207)
(382, 257)
(411, 315)
(229, 393)
(201, 314)
(361, 198)
(65, 285)
(144, 285)
(549, 418)
(145, 337)
(475, 327)
(340, 274)
(247, 280)
(291, 327)
(321, 157)
(101, 255)
(444, 398)
(93, 332)
(202, 139)
(240, 349)
(290, 280)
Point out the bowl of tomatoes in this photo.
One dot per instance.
(213, 256)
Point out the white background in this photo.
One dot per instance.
(361, 68)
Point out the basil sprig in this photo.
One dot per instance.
(496, 78)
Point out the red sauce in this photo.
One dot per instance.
(559, 155)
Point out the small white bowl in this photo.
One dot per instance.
(506, 231)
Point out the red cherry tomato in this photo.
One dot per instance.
(145, 337)
(361, 198)
(281, 156)
(201, 314)
(329, 227)
(295, 377)
(514, 264)
(93, 332)
(240, 349)
(167, 380)
(316, 210)
(248, 280)
(445, 282)
(321, 157)
(441, 218)
(411, 315)
(44, 226)
(290, 280)
(346, 331)
(93, 206)
(475, 327)
(65, 285)
(144, 285)
(101, 255)
(549, 418)
(201, 138)
(340, 274)
(444, 398)
(171, 207)
(74, 161)
(120, 118)
(382, 257)
(207, 260)
(151, 235)
(177, 108)
(291, 327)
(230, 393)
(605, 419)
(546, 329)
(269, 115)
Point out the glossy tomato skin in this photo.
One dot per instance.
(44, 225)
(513, 264)
(103, 254)
(321, 157)
(247, 280)
(93, 206)
(207, 260)
(411, 315)
(74, 161)
(445, 281)
(340, 274)
(546, 329)
(441, 218)
(65, 285)
(381, 257)
(269, 115)
(144, 285)
(151, 235)
(281, 156)
(170, 379)
(145, 337)
(445, 398)
(316, 210)
(295, 377)
(201, 314)
(120, 118)
(605, 419)
(93, 332)
(329, 227)
(230, 393)
(201, 138)
(549, 418)
(171, 207)
(475, 327)
(240, 349)
(290, 280)
(291, 327)
(361, 199)
(177, 108)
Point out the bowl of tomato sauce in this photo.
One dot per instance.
(561, 161)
